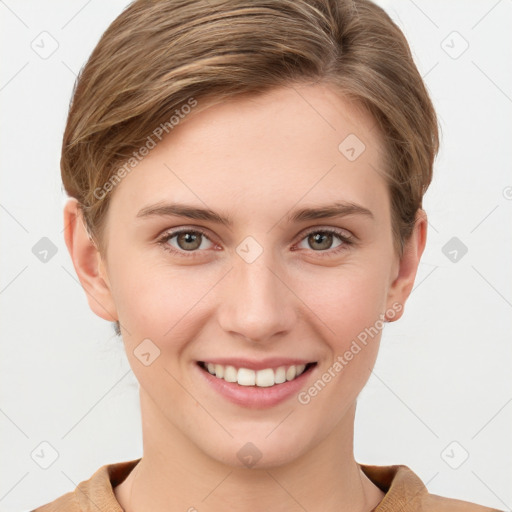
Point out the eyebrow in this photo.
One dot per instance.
(337, 209)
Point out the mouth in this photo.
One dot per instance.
(263, 378)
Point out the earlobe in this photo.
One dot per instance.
(88, 263)
(403, 283)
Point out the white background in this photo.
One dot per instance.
(443, 372)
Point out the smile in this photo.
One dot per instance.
(266, 377)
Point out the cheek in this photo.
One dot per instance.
(163, 305)
(152, 297)
(158, 301)
(345, 300)
(347, 304)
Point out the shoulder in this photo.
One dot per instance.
(406, 491)
(442, 504)
(95, 494)
(66, 502)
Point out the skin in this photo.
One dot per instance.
(253, 159)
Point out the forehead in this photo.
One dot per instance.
(264, 154)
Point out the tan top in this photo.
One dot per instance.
(405, 492)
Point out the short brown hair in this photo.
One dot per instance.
(157, 55)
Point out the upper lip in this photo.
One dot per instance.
(257, 364)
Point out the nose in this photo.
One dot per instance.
(257, 302)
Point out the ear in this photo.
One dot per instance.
(403, 283)
(88, 263)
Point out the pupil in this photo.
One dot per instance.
(189, 238)
(322, 237)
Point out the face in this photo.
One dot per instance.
(277, 283)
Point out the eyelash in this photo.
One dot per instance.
(346, 241)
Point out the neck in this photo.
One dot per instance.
(174, 474)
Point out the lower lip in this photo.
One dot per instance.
(255, 397)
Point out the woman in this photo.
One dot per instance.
(246, 183)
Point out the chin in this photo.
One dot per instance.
(258, 452)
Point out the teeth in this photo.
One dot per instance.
(280, 375)
(246, 377)
(291, 372)
(219, 370)
(230, 374)
(260, 378)
(264, 378)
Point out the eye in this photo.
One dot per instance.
(185, 240)
(188, 242)
(321, 240)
